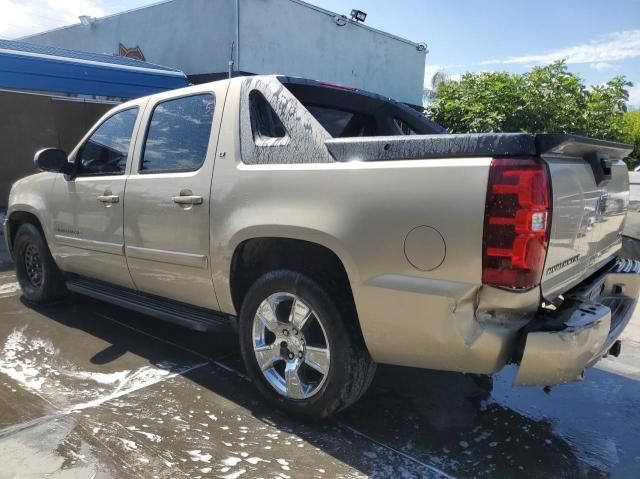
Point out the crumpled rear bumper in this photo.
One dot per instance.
(559, 345)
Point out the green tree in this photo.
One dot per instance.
(632, 134)
(477, 103)
(607, 108)
(547, 99)
(552, 100)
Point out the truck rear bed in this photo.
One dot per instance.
(589, 183)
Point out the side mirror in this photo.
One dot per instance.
(54, 160)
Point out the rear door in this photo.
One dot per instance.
(167, 207)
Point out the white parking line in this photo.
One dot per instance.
(123, 389)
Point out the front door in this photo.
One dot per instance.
(88, 213)
(167, 206)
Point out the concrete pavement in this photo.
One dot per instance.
(91, 390)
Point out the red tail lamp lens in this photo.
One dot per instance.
(516, 228)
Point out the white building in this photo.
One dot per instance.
(291, 37)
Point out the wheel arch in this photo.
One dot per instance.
(254, 256)
(15, 219)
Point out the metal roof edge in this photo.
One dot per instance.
(59, 96)
(115, 66)
(299, 2)
(361, 25)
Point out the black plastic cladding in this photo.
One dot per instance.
(469, 146)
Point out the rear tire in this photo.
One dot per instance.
(40, 278)
(311, 372)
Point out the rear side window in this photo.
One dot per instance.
(178, 134)
(107, 149)
(265, 123)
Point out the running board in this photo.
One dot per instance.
(191, 317)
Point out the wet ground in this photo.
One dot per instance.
(88, 390)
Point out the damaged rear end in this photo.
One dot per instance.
(561, 342)
(553, 296)
(554, 223)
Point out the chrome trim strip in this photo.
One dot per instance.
(91, 245)
(170, 257)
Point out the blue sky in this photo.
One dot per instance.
(468, 35)
(600, 38)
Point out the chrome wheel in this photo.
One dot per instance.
(33, 265)
(291, 346)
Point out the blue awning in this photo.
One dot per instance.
(26, 66)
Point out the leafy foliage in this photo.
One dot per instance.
(632, 134)
(547, 99)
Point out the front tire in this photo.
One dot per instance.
(40, 278)
(301, 346)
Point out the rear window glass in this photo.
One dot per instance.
(342, 124)
(345, 113)
(178, 134)
(403, 127)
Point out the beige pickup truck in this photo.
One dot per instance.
(336, 229)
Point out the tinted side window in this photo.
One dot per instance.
(107, 149)
(178, 134)
(265, 123)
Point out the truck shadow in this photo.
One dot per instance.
(409, 418)
(5, 260)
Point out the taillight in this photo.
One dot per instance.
(517, 221)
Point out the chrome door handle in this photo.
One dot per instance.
(188, 200)
(109, 199)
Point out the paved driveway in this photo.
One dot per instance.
(91, 390)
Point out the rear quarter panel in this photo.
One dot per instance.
(363, 212)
